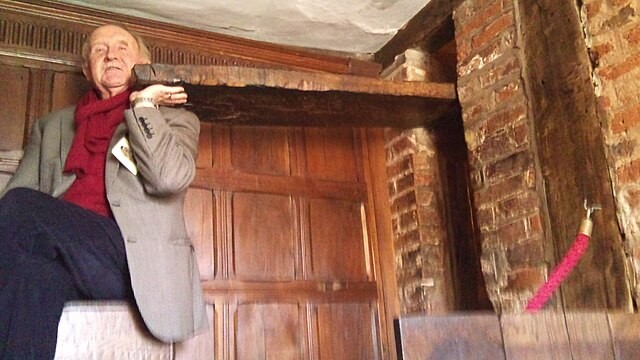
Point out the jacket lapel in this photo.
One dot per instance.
(67, 132)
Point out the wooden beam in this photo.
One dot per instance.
(250, 96)
(431, 28)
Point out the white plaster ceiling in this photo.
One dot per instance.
(352, 26)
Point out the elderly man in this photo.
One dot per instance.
(94, 210)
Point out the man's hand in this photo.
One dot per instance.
(156, 95)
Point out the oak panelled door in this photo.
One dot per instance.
(278, 216)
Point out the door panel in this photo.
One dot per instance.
(346, 332)
(260, 150)
(331, 153)
(13, 102)
(337, 243)
(264, 237)
(199, 210)
(269, 331)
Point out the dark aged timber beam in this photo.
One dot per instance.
(250, 96)
(429, 29)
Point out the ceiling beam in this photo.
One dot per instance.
(430, 29)
(249, 96)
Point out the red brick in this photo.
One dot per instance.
(423, 178)
(494, 147)
(593, 7)
(487, 55)
(463, 48)
(535, 225)
(603, 49)
(485, 217)
(501, 70)
(501, 189)
(604, 103)
(408, 220)
(509, 209)
(405, 183)
(526, 254)
(508, 91)
(402, 146)
(525, 280)
(399, 167)
(493, 30)
(407, 240)
(625, 120)
(521, 133)
(472, 112)
(512, 232)
(619, 3)
(633, 36)
(514, 164)
(478, 19)
(629, 173)
(503, 119)
(403, 203)
(614, 72)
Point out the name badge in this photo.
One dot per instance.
(122, 152)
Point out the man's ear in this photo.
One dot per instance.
(86, 71)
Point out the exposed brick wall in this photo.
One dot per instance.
(418, 222)
(613, 33)
(418, 212)
(499, 135)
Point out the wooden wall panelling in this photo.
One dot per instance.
(224, 234)
(260, 150)
(380, 236)
(68, 88)
(13, 102)
(199, 209)
(40, 95)
(269, 331)
(331, 154)
(346, 331)
(337, 247)
(205, 147)
(264, 237)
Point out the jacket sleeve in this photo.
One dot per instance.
(27, 175)
(164, 143)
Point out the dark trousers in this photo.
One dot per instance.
(51, 252)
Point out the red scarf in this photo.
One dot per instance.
(95, 122)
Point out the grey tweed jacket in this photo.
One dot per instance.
(148, 207)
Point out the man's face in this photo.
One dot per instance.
(112, 54)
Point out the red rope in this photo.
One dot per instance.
(559, 273)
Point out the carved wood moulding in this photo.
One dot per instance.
(54, 32)
(247, 96)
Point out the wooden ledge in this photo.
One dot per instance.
(249, 96)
